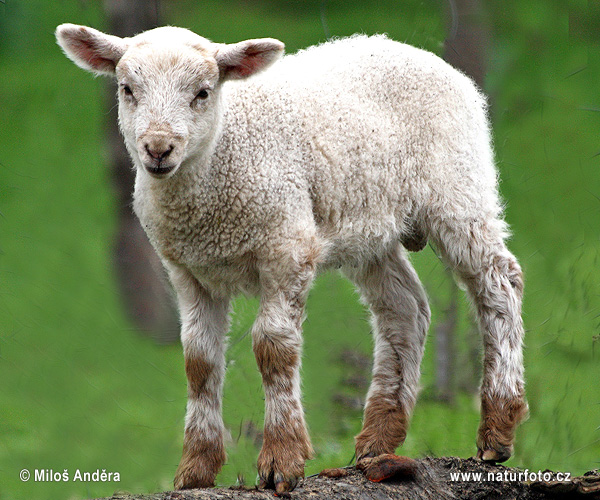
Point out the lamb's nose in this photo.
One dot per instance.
(159, 152)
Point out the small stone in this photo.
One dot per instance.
(334, 473)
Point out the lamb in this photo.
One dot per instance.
(254, 172)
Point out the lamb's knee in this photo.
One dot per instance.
(413, 304)
(399, 298)
(509, 267)
(417, 307)
(277, 359)
(499, 286)
(202, 375)
(424, 317)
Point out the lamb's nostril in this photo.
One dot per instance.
(159, 153)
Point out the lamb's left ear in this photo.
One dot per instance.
(243, 59)
(91, 49)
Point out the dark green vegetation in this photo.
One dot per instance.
(79, 388)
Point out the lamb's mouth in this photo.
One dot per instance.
(160, 170)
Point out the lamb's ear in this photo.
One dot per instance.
(91, 49)
(243, 59)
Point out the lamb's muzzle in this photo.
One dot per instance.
(160, 152)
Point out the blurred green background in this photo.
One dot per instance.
(80, 388)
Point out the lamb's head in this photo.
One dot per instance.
(169, 86)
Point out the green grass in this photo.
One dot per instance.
(79, 388)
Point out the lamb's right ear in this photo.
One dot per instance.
(91, 49)
(243, 59)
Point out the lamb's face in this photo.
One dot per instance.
(169, 87)
(168, 101)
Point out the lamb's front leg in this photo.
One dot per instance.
(277, 343)
(204, 326)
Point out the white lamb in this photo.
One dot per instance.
(342, 155)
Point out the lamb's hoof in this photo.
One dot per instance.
(198, 471)
(494, 455)
(281, 463)
(499, 419)
(276, 481)
(189, 480)
(387, 466)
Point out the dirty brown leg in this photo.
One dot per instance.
(401, 318)
(277, 344)
(204, 326)
(475, 250)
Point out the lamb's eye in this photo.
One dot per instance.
(127, 90)
(203, 94)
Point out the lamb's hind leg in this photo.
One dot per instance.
(401, 316)
(476, 251)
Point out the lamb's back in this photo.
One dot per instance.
(358, 133)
